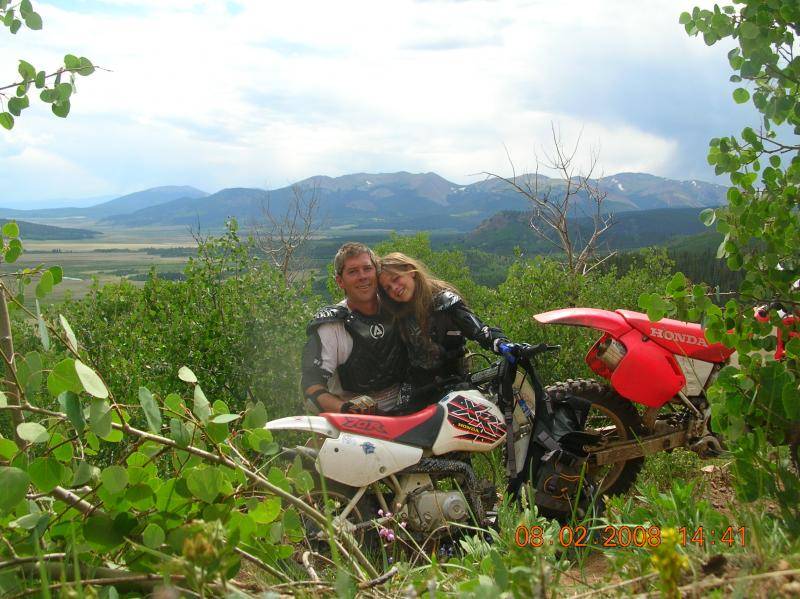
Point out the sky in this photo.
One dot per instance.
(262, 93)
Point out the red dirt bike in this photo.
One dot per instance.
(664, 366)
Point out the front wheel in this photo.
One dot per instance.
(615, 419)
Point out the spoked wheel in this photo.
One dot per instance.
(615, 419)
(337, 499)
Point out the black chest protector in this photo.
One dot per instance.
(439, 353)
(378, 359)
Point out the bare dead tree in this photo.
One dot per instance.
(554, 207)
(280, 237)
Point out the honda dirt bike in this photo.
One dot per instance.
(418, 466)
(664, 366)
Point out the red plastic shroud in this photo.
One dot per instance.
(380, 427)
(649, 373)
(678, 337)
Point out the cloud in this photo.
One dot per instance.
(218, 94)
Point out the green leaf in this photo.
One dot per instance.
(115, 479)
(174, 403)
(46, 473)
(44, 335)
(63, 91)
(260, 439)
(8, 449)
(17, 105)
(278, 478)
(64, 378)
(91, 382)
(15, 485)
(30, 521)
(45, 285)
(677, 283)
(256, 416)
(205, 483)
(72, 62)
(6, 120)
(33, 21)
(225, 418)
(26, 70)
(721, 251)
(100, 530)
(790, 398)
(61, 109)
(749, 30)
(86, 67)
(72, 341)
(684, 18)
(708, 216)
(179, 432)
(267, 510)
(62, 449)
(741, 95)
(84, 473)
(71, 405)
(153, 536)
(25, 7)
(15, 25)
(201, 409)
(58, 274)
(14, 250)
(151, 411)
(186, 375)
(32, 432)
(100, 417)
(39, 81)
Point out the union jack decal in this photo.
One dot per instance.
(476, 420)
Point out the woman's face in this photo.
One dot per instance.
(398, 286)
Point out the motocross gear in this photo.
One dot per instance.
(440, 353)
(349, 352)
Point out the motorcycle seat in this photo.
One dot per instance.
(419, 429)
(678, 337)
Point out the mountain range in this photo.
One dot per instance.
(402, 201)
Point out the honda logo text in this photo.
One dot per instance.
(679, 337)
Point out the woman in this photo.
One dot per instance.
(435, 321)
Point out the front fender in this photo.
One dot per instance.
(315, 424)
(602, 320)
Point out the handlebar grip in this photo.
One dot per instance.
(532, 350)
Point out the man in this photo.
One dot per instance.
(354, 359)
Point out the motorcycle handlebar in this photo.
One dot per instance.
(528, 351)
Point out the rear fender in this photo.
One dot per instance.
(314, 424)
(593, 318)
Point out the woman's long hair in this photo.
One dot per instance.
(426, 287)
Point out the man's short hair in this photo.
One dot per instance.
(350, 250)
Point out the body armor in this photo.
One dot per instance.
(378, 359)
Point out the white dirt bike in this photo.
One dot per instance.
(418, 466)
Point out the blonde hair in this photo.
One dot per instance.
(426, 287)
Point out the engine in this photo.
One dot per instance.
(429, 510)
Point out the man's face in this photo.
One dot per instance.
(358, 279)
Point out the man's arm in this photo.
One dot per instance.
(321, 356)
(323, 400)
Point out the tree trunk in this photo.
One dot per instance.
(7, 346)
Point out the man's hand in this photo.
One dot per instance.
(362, 404)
